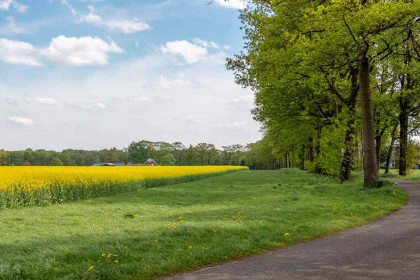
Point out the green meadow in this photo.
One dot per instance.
(160, 231)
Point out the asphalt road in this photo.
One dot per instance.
(386, 249)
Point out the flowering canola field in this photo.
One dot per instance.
(42, 185)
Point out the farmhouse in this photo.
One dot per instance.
(150, 162)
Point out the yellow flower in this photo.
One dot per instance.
(103, 255)
(116, 261)
(190, 247)
(286, 234)
(24, 180)
(91, 267)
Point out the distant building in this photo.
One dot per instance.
(109, 164)
(392, 164)
(150, 162)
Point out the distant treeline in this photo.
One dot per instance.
(164, 153)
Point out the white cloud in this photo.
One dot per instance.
(92, 17)
(6, 4)
(199, 119)
(130, 92)
(236, 124)
(245, 99)
(97, 105)
(234, 4)
(127, 26)
(80, 51)
(47, 100)
(17, 52)
(100, 105)
(180, 82)
(206, 44)
(71, 9)
(13, 26)
(22, 121)
(190, 52)
(193, 53)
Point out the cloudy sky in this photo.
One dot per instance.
(97, 74)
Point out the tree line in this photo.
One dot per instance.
(136, 153)
(336, 83)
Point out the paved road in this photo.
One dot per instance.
(385, 249)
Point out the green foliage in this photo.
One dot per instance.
(413, 154)
(168, 159)
(56, 161)
(301, 58)
(332, 145)
(3, 157)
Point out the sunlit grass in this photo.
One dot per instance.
(412, 174)
(159, 231)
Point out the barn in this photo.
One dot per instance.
(150, 162)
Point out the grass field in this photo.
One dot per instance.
(159, 231)
(413, 174)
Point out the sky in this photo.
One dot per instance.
(94, 74)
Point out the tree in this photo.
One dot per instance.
(168, 159)
(56, 162)
(330, 51)
(3, 157)
(138, 151)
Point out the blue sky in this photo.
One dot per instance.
(100, 73)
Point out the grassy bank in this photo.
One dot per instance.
(158, 231)
(413, 174)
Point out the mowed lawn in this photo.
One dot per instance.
(159, 231)
(412, 174)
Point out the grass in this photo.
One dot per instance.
(159, 231)
(412, 174)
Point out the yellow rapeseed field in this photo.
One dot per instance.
(41, 185)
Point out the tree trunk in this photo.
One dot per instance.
(347, 161)
(302, 166)
(310, 149)
(408, 84)
(318, 150)
(369, 157)
(378, 141)
(404, 107)
(391, 147)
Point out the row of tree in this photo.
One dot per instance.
(336, 82)
(137, 153)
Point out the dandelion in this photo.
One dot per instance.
(287, 234)
(190, 247)
(91, 267)
(116, 261)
